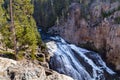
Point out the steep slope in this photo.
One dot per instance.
(98, 29)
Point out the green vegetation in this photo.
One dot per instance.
(4, 26)
(21, 55)
(7, 54)
(27, 36)
(2, 14)
(107, 14)
(117, 20)
(48, 11)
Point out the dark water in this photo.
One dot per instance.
(77, 62)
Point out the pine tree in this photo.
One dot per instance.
(48, 11)
(4, 26)
(2, 13)
(25, 30)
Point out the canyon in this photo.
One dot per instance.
(98, 29)
(60, 40)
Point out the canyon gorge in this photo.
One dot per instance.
(60, 40)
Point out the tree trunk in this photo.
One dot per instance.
(13, 28)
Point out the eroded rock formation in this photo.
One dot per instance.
(26, 70)
(96, 27)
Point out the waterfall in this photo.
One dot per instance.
(79, 63)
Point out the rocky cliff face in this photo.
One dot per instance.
(26, 70)
(96, 27)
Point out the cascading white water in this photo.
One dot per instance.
(76, 62)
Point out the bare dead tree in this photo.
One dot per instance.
(13, 27)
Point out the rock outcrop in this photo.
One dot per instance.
(26, 70)
(97, 28)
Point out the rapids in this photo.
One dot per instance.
(79, 63)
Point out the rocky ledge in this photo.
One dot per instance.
(27, 70)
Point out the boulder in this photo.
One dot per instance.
(27, 70)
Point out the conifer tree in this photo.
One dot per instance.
(2, 13)
(4, 26)
(25, 30)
